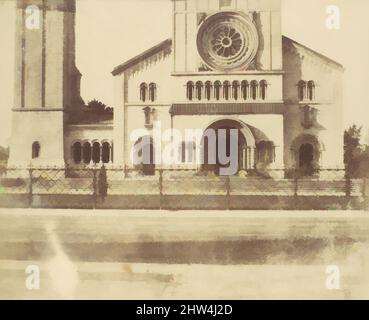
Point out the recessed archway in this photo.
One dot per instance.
(307, 151)
(218, 135)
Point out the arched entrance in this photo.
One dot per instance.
(227, 143)
(307, 151)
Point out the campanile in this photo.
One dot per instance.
(46, 81)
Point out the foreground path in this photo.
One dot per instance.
(152, 254)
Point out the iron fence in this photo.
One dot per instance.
(100, 183)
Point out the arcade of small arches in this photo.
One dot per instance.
(244, 90)
(92, 152)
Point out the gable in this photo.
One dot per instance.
(166, 47)
(162, 48)
(294, 47)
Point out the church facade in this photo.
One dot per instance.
(227, 68)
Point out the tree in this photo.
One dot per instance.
(363, 160)
(4, 154)
(356, 155)
(98, 106)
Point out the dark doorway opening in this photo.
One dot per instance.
(306, 159)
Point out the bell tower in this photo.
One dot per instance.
(227, 36)
(46, 81)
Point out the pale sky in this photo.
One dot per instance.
(109, 32)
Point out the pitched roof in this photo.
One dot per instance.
(144, 55)
(289, 40)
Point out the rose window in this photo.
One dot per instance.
(227, 41)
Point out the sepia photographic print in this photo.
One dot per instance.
(184, 150)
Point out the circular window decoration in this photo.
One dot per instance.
(227, 41)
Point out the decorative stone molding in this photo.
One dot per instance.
(147, 63)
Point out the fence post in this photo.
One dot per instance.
(30, 193)
(161, 188)
(94, 185)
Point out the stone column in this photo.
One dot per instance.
(248, 159)
(244, 159)
(252, 157)
(101, 153)
(82, 154)
(91, 153)
(110, 153)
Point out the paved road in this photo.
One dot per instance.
(127, 254)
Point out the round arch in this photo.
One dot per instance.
(237, 124)
(307, 151)
(246, 145)
(307, 138)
